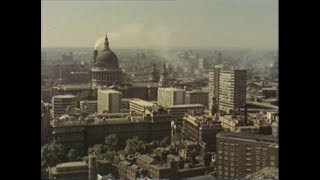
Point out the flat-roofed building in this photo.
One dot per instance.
(177, 112)
(171, 96)
(109, 101)
(61, 103)
(239, 154)
(77, 170)
(140, 105)
(89, 107)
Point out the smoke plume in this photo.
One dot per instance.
(99, 42)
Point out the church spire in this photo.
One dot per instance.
(106, 43)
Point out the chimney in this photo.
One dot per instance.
(95, 54)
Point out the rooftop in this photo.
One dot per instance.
(196, 91)
(67, 96)
(108, 91)
(72, 164)
(248, 136)
(170, 89)
(75, 86)
(265, 173)
(141, 102)
(186, 106)
(145, 84)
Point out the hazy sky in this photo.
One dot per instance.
(160, 23)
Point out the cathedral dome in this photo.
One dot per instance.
(106, 58)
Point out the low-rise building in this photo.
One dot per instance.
(89, 107)
(203, 130)
(69, 171)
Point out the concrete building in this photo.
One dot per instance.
(197, 97)
(203, 130)
(61, 103)
(140, 106)
(69, 171)
(213, 101)
(89, 107)
(227, 90)
(171, 96)
(239, 154)
(177, 112)
(232, 90)
(109, 101)
(105, 71)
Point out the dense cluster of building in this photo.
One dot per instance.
(230, 132)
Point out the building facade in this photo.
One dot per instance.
(170, 96)
(203, 130)
(232, 90)
(61, 103)
(197, 97)
(89, 107)
(239, 154)
(227, 90)
(109, 101)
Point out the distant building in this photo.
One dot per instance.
(171, 96)
(239, 154)
(89, 107)
(197, 97)
(163, 82)
(106, 71)
(73, 89)
(202, 130)
(155, 74)
(203, 63)
(109, 101)
(61, 103)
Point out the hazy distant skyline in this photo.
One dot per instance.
(162, 24)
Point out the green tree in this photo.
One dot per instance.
(53, 154)
(109, 155)
(73, 155)
(111, 142)
(86, 95)
(133, 146)
(165, 142)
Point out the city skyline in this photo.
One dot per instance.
(160, 24)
